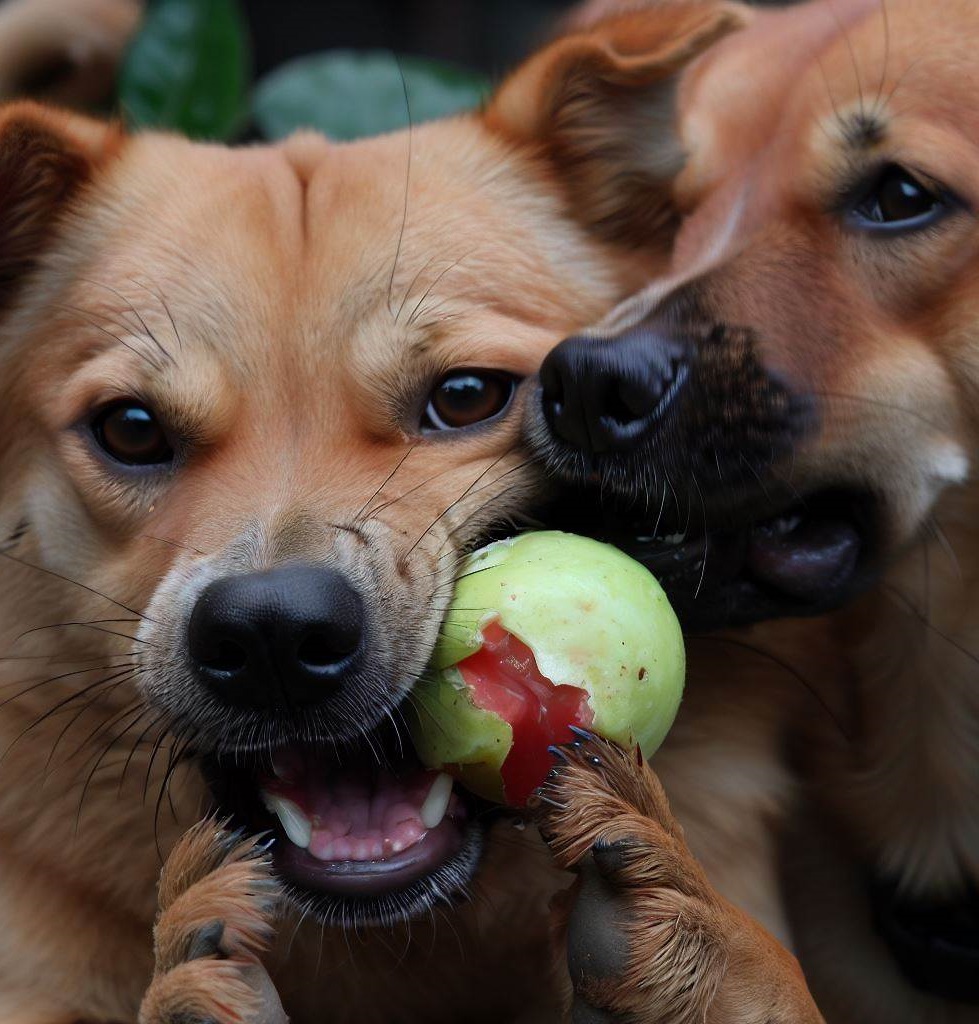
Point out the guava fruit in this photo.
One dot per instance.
(546, 630)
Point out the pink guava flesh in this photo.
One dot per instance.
(503, 678)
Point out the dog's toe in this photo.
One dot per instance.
(216, 898)
(643, 936)
(593, 785)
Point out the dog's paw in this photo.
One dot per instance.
(644, 931)
(216, 896)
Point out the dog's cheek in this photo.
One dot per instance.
(67, 539)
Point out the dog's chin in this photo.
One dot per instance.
(360, 835)
(762, 557)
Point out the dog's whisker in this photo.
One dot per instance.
(921, 617)
(103, 692)
(37, 684)
(166, 309)
(158, 743)
(61, 659)
(454, 504)
(875, 109)
(362, 512)
(703, 567)
(99, 686)
(155, 721)
(136, 313)
(94, 322)
(74, 583)
(419, 309)
(879, 403)
(96, 625)
(407, 184)
(120, 716)
(421, 270)
(175, 761)
(946, 546)
(175, 544)
(106, 750)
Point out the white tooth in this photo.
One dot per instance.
(437, 802)
(295, 824)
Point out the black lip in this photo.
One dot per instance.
(716, 573)
(447, 883)
(372, 878)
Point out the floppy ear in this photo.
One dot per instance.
(46, 156)
(601, 106)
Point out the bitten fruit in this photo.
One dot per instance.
(546, 631)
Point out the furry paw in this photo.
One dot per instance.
(216, 897)
(645, 936)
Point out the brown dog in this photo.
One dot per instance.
(794, 401)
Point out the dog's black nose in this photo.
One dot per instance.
(607, 394)
(280, 638)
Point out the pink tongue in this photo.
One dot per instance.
(356, 815)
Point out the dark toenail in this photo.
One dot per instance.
(582, 734)
(207, 941)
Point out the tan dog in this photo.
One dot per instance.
(291, 369)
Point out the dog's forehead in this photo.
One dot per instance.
(822, 59)
(304, 247)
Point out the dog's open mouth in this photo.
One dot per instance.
(760, 560)
(364, 835)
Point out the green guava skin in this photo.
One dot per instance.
(593, 617)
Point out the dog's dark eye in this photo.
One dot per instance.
(466, 397)
(132, 435)
(897, 201)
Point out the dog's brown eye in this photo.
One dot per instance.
(131, 434)
(467, 397)
(898, 201)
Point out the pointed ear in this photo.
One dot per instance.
(46, 157)
(601, 106)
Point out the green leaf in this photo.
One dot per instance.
(348, 95)
(187, 69)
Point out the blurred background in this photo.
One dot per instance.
(486, 35)
(249, 69)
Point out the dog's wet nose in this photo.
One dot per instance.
(607, 394)
(283, 637)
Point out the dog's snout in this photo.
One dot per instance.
(607, 394)
(284, 637)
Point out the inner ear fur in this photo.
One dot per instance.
(46, 157)
(600, 105)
